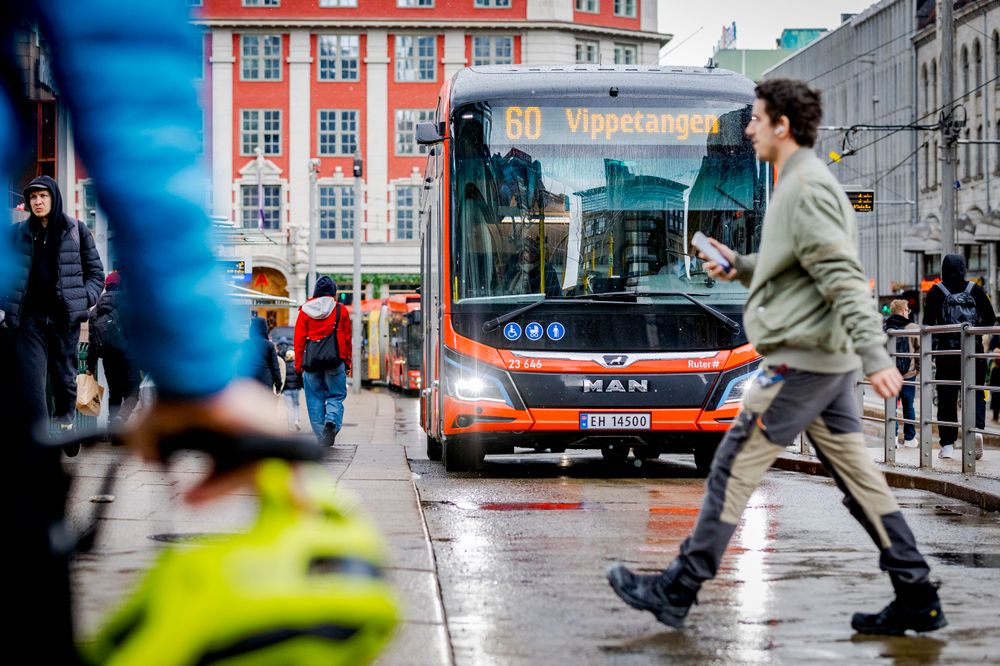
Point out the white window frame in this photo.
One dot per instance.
(261, 3)
(397, 209)
(248, 208)
(622, 49)
(588, 6)
(415, 4)
(492, 58)
(338, 133)
(334, 214)
(491, 4)
(588, 44)
(337, 59)
(626, 8)
(409, 59)
(260, 138)
(324, 4)
(405, 125)
(261, 58)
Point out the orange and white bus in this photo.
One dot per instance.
(564, 306)
(403, 354)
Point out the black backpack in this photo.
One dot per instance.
(958, 308)
(107, 333)
(324, 354)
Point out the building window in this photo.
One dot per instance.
(977, 57)
(414, 3)
(260, 128)
(586, 51)
(260, 57)
(925, 86)
(502, 4)
(625, 8)
(336, 212)
(934, 84)
(965, 69)
(490, 50)
(996, 53)
(415, 57)
(626, 54)
(338, 132)
(927, 166)
(997, 137)
(407, 200)
(406, 130)
(261, 3)
(979, 152)
(338, 3)
(967, 162)
(591, 6)
(934, 164)
(90, 204)
(338, 57)
(256, 216)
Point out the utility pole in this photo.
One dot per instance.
(878, 231)
(359, 212)
(313, 223)
(946, 34)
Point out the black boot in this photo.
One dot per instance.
(329, 435)
(916, 607)
(660, 594)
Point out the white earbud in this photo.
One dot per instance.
(779, 130)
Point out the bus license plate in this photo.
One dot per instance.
(614, 421)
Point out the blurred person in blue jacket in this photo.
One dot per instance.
(125, 72)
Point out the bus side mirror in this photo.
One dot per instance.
(417, 317)
(429, 134)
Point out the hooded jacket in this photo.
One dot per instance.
(906, 344)
(111, 300)
(953, 277)
(258, 358)
(79, 276)
(317, 319)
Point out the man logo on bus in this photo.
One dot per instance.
(617, 360)
(616, 386)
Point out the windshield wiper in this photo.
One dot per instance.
(493, 324)
(729, 323)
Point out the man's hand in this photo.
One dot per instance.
(714, 270)
(243, 407)
(886, 382)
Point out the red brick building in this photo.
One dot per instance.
(320, 79)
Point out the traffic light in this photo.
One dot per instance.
(345, 297)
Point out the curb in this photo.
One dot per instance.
(984, 493)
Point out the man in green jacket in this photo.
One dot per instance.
(810, 314)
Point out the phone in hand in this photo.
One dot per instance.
(700, 241)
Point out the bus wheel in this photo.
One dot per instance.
(615, 453)
(433, 448)
(704, 452)
(462, 456)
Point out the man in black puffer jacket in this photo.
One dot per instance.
(58, 277)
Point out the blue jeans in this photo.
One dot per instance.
(325, 393)
(907, 395)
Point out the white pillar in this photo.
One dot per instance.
(222, 122)
(376, 152)
(299, 135)
(454, 52)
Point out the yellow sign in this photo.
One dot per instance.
(863, 201)
(533, 123)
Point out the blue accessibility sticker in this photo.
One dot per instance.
(555, 331)
(583, 421)
(512, 331)
(534, 331)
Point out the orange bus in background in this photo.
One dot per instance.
(404, 351)
(564, 306)
(372, 349)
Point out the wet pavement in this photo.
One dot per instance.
(522, 546)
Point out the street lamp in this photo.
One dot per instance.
(313, 222)
(358, 172)
(878, 253)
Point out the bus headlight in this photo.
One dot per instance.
(732, 385)
(468, 379)
(475, 388)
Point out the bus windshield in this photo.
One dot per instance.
(564, 199)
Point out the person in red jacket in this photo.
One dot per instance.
(326, 389)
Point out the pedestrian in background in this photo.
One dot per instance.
(292, 390)
(58, 277)
(809, 312)
(323, 356)
(955, 300)
(899, 319)
(108, 342)
(258, 357)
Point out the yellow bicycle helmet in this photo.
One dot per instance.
(303, 586)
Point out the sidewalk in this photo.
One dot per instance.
(147, 509)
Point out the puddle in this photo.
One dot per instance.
(531, 506)
(189, 537)
(971, 560)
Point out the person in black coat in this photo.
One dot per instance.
(949, 367)
(109, 343)
(258, 358)
(57, 278)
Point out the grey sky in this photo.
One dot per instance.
(758, 23)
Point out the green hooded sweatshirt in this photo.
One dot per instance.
(809, 305)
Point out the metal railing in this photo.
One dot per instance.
(925, 384)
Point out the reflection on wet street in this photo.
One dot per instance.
(522, 547)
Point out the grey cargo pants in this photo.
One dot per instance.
(773, 413)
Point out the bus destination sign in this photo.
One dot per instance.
(554, 125)
(863, 201)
